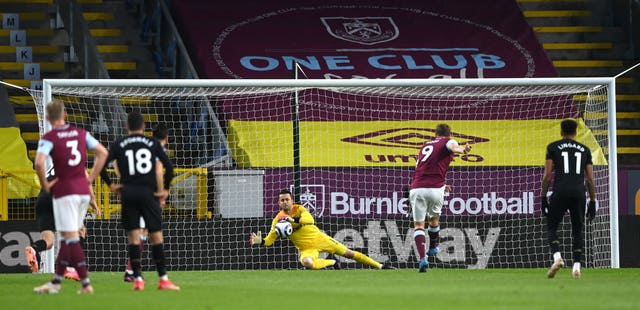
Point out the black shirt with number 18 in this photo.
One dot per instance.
(136, 157)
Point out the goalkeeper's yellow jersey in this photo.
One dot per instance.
(304, 232)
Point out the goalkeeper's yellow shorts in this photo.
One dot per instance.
(323, 243)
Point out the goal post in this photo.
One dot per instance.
(356, 143)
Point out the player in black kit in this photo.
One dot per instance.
(142, 192)
(571, 162)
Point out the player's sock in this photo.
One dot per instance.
(321, 263)
(85, 282)
(361, 258)
(158, 257)
(134, 260)
(577, 255)
(555, 246)
(576, 270)
(39, 245)
(420, 239)
(62, 261)
(434, 236)
(77, 258)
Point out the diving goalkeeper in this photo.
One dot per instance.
(307, 238)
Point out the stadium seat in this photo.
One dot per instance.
(581, 41)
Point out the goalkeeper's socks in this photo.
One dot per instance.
(361, 258)
(420, 239)
(322, 263)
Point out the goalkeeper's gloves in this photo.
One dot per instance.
(545, 205)
(255, 238)
(591, 210)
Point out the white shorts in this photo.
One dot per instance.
(426, 201)
(69, 212)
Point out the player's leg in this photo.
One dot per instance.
(434, 235)
(71, 273)
(128, 272)
(576, 211)
(310, 259)
(61, 261)
(46, 226)
(330, 245)
(419, 213)
(133, 251)
(153, 219)
(70, 231)
(554, 218)
(435, 199)
(131, 213)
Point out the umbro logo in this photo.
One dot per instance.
(412, 138)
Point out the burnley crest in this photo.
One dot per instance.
(362, 30)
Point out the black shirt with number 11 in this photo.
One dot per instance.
(570, 158)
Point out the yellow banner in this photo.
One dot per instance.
(396, 143)
(16, 166)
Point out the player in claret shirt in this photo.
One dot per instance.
(47, 227)
(67, 146)
(426, 196)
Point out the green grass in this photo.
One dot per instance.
(437, 289)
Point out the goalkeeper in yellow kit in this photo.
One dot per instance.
(307, 238)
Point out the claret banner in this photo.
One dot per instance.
(333, 39)
(379, 193)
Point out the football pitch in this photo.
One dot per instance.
(341, 289)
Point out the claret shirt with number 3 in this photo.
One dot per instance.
(67, 145)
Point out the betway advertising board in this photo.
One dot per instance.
(222, 244)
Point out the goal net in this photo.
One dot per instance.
(347, 149)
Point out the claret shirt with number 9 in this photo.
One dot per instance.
(304, 232)
(433, 161)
